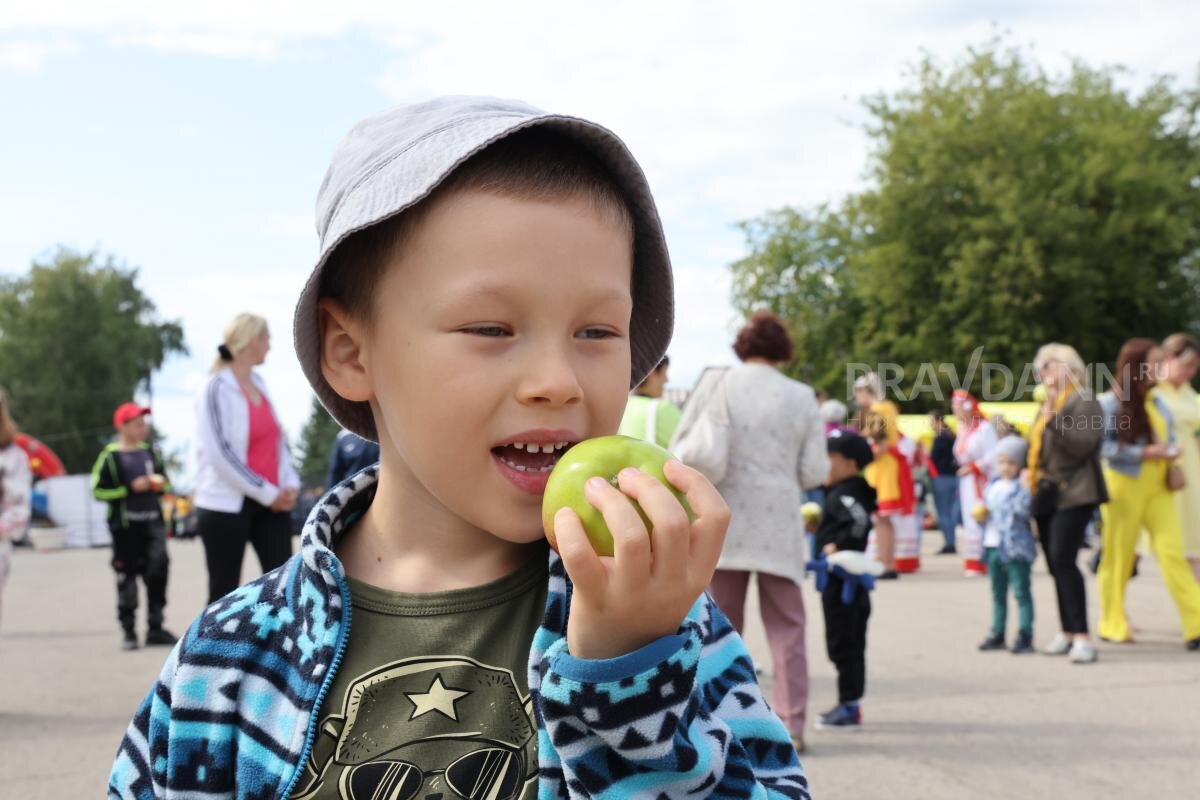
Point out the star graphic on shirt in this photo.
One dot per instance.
(439, 698)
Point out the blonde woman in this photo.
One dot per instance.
(1066, 483)
(246, 484)
(16, 481)
(1181, 353)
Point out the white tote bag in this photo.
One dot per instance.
(702, 439)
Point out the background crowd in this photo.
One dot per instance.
(1114, 468)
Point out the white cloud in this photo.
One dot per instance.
(30, 55)
(219, 45)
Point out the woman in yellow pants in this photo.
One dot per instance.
(1182, 358)
(1138, 450)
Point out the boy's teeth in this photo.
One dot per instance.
(547, 448)
(523, 468)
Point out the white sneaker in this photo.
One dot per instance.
(1059, 646)
(1082, 652)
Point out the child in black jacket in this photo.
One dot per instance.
(845, 524)
(128, 475)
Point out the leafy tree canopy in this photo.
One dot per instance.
(1007, 208)
(78, 338)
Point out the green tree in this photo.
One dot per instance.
(77, 338)
(798, 269)
(1007, 208)
(316, 445)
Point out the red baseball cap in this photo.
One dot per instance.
(128, 411)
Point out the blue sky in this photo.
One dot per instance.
(189, 139)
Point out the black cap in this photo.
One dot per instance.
(850, 445)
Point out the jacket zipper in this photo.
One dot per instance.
(311, 734)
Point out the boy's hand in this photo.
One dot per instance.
(829, 549)
(141, 483)
(627, 601)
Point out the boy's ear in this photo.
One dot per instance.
(342, 365)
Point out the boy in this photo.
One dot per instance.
(845, 525)
(1009, 546)
(492, 281)
(128, 476)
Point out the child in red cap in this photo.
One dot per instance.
(128, 476)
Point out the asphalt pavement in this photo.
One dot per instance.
(941, 720)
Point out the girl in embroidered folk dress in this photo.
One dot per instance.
(890, 475)
(973, 448)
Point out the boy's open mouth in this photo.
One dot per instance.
(528, 457)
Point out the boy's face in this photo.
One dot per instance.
(841, 468)
(1007, 468)
(503, 321)
(136, 430)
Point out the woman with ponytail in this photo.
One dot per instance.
(246, 485)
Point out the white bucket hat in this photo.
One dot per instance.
(391, 161)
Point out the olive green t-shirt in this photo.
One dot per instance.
(432, 698)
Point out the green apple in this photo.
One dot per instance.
(605, 457)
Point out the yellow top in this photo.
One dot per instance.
(1185, 408)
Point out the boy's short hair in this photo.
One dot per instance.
(850, 445)
(391, 162)
(532, 164)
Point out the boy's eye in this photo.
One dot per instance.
(489, 331)
(597, 333)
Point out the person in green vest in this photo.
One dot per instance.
(648, 415)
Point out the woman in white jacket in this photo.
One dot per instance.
(246, 484)
(776, 450)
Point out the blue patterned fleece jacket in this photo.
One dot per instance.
(234, 711)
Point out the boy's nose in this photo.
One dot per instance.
(550, 378)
